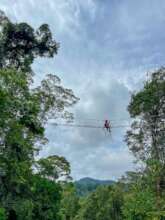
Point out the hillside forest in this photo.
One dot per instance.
(42, 189)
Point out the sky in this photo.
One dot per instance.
(108, 48)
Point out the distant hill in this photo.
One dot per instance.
(86, 185)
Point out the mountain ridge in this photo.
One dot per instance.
(87, 185)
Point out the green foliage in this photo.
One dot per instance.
(103, 204)
(46, 197)
(16, 147)
(148, 101)
(2, 214)
(138, 204)
(69, 203)
(54, 167)
(24, 209)
(146, 138)
(20, 44)
(24, 112)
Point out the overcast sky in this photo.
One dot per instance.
(107, 47)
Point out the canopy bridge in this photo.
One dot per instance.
(95, 123)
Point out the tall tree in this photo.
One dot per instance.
(146, 137)
(20, 44)
(24, 111)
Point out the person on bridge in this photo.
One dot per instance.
(107, 125)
